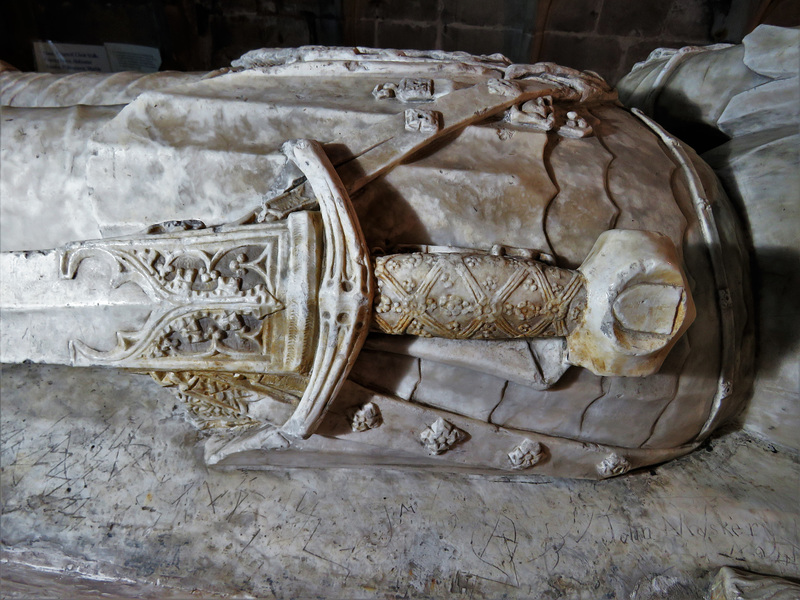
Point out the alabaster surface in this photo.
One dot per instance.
(522, 260)
(735, 583)
(741, 105)
(418, 297)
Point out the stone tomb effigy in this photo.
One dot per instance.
(345, 256)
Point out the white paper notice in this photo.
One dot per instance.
(127, 57)
(52, 57)
(70, 58)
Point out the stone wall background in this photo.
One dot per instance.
(607, 36)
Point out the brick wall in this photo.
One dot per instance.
(476, 26)
(606, 36)
(208, 34)
(609, 36)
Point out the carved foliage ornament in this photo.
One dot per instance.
(526, 455)
(365, 417)
(226, 400)
(613, 465)
(217, 300)
(440, 436)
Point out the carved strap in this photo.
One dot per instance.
(398, 136)
(345, 290)
(401, 135)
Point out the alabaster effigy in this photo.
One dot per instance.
(346, 256)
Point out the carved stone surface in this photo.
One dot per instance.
(365, 417)
(212, 299)
(526, 455)
(440, 436)
(735, 584)
(740, 105)
(100, 455)
(422, 120)
(103, 492)
(204, 290)
(546, 250)
(537, 113)
(408, 90)
(613, 465)
(474, 296)
(235, 400)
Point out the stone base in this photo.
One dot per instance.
(101, 481)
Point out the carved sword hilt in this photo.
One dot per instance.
(620, 311)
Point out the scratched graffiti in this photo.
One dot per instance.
(99, 475)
